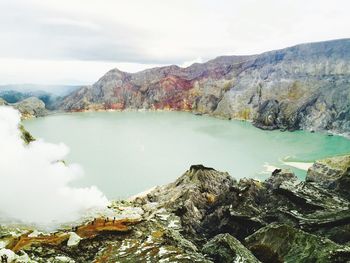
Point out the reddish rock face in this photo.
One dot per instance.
(159, 88)
(174, 83)
(115, 106)
(174, 93)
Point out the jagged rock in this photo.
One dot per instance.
(205, 215)
(151, 241)
(278, 243)
(239, 213)
(224, 248)
(311, 207)
(250, 205)
(267, 115)
(332, 173)
(280, 176)
(193, 194)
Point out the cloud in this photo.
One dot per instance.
(162, 31)
(189, 63)
(67, 72)
(35, 184)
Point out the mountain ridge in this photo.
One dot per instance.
(252, 56)
(305, 86)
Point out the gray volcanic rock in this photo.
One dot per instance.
(301, 87)
(225, 248)
(332, 173)
(268, 115)
(191, 195)
(207, 216)
(308, 85)
(31, 107)
(250, 205)
(279, 177)
(278, 243)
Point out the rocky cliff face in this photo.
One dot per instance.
(301, 87)
(207, 216)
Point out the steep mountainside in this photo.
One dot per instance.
(301, 87)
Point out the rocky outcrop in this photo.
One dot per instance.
(225, 248)
(192, 195)
(332, 173)
(301, 87)
(25, 135)
(207, 216)
(29, 107)
(268, 116)
(278, 243)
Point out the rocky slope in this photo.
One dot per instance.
(301, 87)
(29, 107)
(208, 216)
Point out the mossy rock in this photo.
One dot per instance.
(341, 163)
(332, 173)
(26, 136)
(283, 243)
(224, 248)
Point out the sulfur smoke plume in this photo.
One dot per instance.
(34, 184)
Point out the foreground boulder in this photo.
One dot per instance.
(192, 195)
(279, 177)
(332, 173)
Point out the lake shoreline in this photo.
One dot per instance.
(216, 116)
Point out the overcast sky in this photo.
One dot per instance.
(77, 41)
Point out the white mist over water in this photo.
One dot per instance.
(34, 183)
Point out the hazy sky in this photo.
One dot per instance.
(77, 41)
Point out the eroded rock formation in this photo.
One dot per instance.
(207, 216)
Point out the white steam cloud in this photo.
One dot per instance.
(34, 185)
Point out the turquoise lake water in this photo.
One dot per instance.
(124, 153)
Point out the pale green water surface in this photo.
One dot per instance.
(124, 153)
